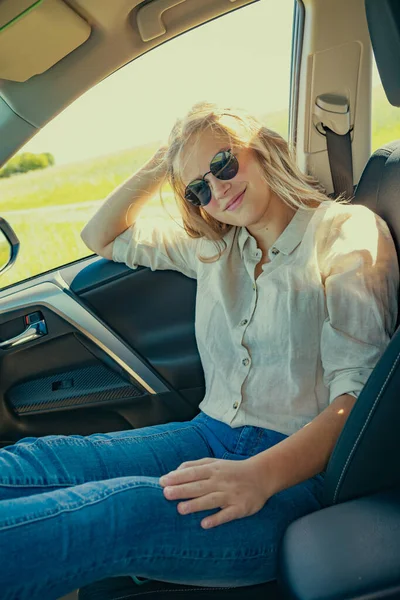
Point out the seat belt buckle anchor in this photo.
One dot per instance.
(332, 111)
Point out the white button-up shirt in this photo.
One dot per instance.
(278, 349)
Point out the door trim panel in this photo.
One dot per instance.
(63, 303)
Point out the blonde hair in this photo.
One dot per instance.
(274, 156)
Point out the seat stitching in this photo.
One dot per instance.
(363, 428)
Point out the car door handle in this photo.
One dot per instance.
(33, 332)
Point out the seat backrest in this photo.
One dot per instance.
(379, 190)
(379, 187)
(366, 457)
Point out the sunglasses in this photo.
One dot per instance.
(223, 166)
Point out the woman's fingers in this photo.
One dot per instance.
(188, 490)
(185, 475)
(201, 461)
(214, 500)
(216, 483)
(223, 516)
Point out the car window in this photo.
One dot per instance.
(385, 120)
(50, 189)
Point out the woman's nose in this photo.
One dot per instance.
(219, 187)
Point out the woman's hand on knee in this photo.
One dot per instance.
(233, 486)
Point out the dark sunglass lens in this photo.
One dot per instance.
(224, 165)
(198, 193)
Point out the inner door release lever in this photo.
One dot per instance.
(36, 328)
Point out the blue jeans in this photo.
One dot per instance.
(76, 509)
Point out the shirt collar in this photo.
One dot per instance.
(290, 237)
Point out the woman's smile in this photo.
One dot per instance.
(236, 202)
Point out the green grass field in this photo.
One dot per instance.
(49, 208)
(72, 183)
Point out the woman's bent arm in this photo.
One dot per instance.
(120, 209)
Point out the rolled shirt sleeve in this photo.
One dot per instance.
(361, 279)
(160, 244)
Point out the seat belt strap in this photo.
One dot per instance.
(340, 162)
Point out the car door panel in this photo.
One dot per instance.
(162, 330)
(119, 352)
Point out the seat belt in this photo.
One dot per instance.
(340, 162)
(332, 112)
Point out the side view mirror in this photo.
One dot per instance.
(9, 246)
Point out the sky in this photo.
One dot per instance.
(241, 59)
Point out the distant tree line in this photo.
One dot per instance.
(26, 161)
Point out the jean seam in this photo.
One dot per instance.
(56, 512)
(81, 443)
(40, 485)
(258, 440)
(112, 441)
(239, 440)
(203, 436)
(146, 437)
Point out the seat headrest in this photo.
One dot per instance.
(383, 17)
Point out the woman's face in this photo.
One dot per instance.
(248, 189)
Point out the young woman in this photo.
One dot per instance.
(296, 302)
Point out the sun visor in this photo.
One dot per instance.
(383, 18)
(36, 35)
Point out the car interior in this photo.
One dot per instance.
(96, 347)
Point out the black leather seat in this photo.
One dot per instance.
(365, 459)
(351, 549)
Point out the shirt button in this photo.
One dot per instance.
(236, 404)
(244, 322)
(245, 362)
(254, 286)
(274, 250)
